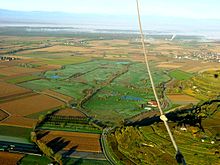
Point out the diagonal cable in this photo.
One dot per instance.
(179, 156)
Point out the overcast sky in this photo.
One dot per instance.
(209, 9)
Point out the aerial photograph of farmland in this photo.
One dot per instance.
(110, 82)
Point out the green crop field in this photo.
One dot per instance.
(22, 79)
(81, 161)
(124, 96)
(10, 131)
(34, 160)
(66, 61)
(180, 75)
(1, 76)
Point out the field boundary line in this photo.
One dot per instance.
(9, 115)
(55, 97)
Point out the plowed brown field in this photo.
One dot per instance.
(81, 141)
(14, 70)
(58, 95)
(8, 90)
(25, 106)
(182, 99)
(29, 105)
(7, 158)
(3, 115)
(48, 67)
(19, 121)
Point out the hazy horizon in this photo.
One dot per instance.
(198, 9)
(192, 17)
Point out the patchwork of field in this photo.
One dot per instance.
(57, 95)
(14, 70)
(194, 152)
(204, 85)
(108, 81)
(20, 79)
(25, 106)
(29, 105)
(10, 90)
(116, 88)
(74, 140)
(19, 121)
(187, 66)
(10, 158)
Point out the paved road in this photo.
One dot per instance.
(20, 147)
(105, 147)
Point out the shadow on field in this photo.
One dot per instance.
(181, 117)
(57, 144)
(41, 135)
(66, 155)
(145, 122)
(77, 161)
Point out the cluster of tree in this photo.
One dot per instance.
(5, 58)
(29, 48)
(28, 65)
(45, 149)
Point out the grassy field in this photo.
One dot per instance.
(1, 76)
(34, 160)
(180, 75)
(124, 96)
(74, 90)
(203, 86)
(23, 133)
(81, 161)
(115, 100)
(22, 79)
(66, 61)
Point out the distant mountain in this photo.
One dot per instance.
(8, 16)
